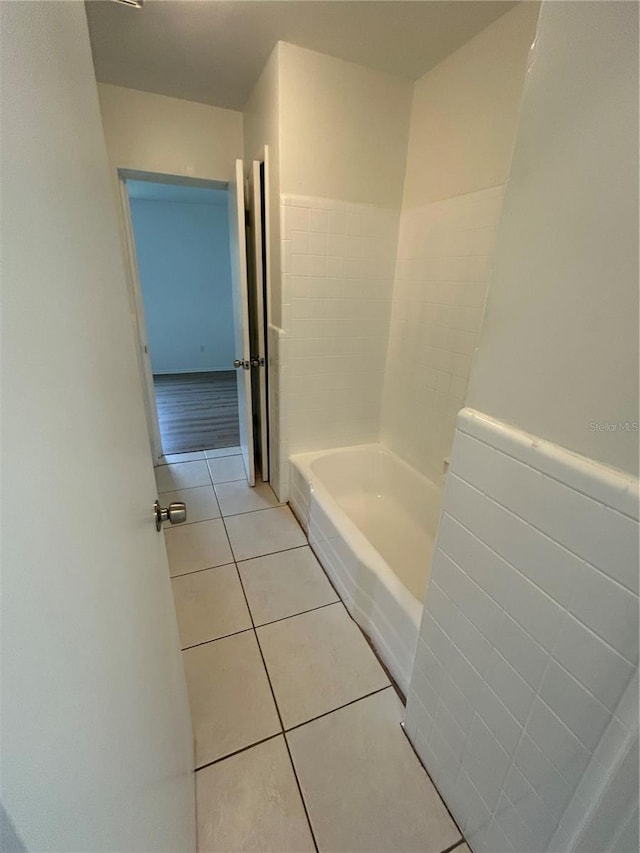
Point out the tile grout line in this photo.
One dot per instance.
(301, 613)
(215, 639)
(248, 559)
(251, 628)
(435, 788)
(236, 751)
(275, 702)
(339, 708)
(456, 845)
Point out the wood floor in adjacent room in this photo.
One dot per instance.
(197, 411)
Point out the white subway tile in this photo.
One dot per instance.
(485, 762)
(595, 664)
(318, 221)
(521, 650)
(611, 611)
(557, 742)
(575, 706)
(587, 528)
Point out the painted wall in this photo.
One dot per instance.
(182, 250)
(463, 122)
(261, 119)
(342, 140)
(558, 354)
(153, 133)
(465, 111)
(524, 697)
(343, 129)
(97, 747)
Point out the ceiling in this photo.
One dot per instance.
(212, 51)
(154, 191)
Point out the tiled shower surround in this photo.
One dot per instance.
(442, 270)
(524, 692)
(381, 313)
(338, 262)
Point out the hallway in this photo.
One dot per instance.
(298, 744)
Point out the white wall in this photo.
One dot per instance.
(153, 133)
(97, 748)
(342, 140)
(559, 347)
(463, 121)
(261, 118)
(524, 695)
(465, 112)
(343, 129)
(524, 698)
(182, 250)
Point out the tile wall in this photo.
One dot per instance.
(338, 262)
(443, 264)
(529, 638)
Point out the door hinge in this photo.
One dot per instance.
(257, 361)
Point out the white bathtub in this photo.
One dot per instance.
(371, 520)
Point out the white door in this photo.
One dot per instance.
(97, 750)
(257, 319)
(238, 241)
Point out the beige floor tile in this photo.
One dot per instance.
(281, 585)
(183, 475)
(172, 458)
(226, 469)
(250, 803)
(201, 503)
(209, 604)
(257, 533)
(364, 788)
(222, 451)
(192, 547)
(229, 695)
(238, 497)
(317, 662)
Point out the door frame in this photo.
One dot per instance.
(134, 288)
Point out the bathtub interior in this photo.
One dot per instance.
(395, 508)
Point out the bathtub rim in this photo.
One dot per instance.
(351, 533)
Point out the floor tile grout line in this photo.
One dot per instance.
(301, 613)
(435, 787)
(269, 553)
(275, 702)
(302, 799)
(197, 571)
(215, 639)
(253, 627)
(237, 751)
(339, 708)
(248, 559)
(248, 511)
(456, 845)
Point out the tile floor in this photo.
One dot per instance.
(298, 745)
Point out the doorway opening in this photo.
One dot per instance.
(197, 272)
(181, 236)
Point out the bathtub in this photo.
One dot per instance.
(371, 520)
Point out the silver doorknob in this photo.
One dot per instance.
(240, 362)
(175, 513)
